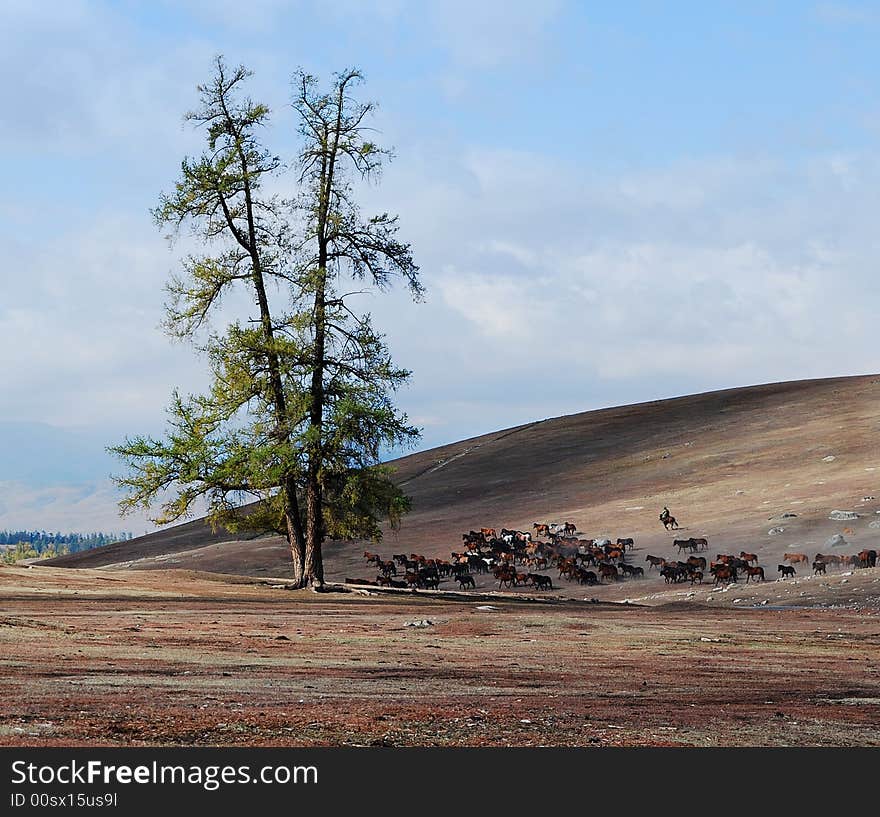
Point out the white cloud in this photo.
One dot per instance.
(845, 14)
(491, 33)
(611, 290)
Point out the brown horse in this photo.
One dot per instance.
(748, 557)
(656, 561)
(697, 562)
(506, 574)
(754, 571)
(723, 573)
(540, 581)
(794, 558)
(607, 571)
(866, 558)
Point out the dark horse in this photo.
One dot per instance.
(669, 522)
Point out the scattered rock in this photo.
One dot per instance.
(740, 493)
(425, 622)
(780, 517)
(841, 516)
(844, 581)
(874, 524)
(775, 531)
(836, 541)
(487, 607)
(868, 498)
(704, 638)
(829, 458)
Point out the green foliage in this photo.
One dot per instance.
(10, 554)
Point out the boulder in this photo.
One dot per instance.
(775, 531)
(842, 516)
(829, 458)
(835, 541)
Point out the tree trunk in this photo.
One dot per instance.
(314, 562)
(295, 536)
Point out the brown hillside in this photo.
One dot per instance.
(725, 462)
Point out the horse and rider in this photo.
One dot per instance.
(667, 519)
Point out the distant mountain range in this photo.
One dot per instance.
(55, 478)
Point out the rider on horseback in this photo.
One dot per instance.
(664, 514)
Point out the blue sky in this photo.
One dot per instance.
(609, 202)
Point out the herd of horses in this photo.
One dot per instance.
(822, 561)
(516, 558)
(727, 567)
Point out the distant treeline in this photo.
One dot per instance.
(40, 540)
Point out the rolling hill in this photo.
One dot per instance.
(728, 464)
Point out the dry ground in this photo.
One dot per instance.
(101, 657)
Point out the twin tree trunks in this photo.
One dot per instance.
(300, 403)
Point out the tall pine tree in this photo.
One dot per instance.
(300, 407)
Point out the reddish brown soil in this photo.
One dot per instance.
(170, 657)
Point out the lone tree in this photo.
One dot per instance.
(300, 405)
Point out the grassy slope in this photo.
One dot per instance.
(724, 462)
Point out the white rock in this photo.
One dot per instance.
(843, 516)
(836, 541)
(775, 531)
(829, 458)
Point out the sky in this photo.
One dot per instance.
(609, 203)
